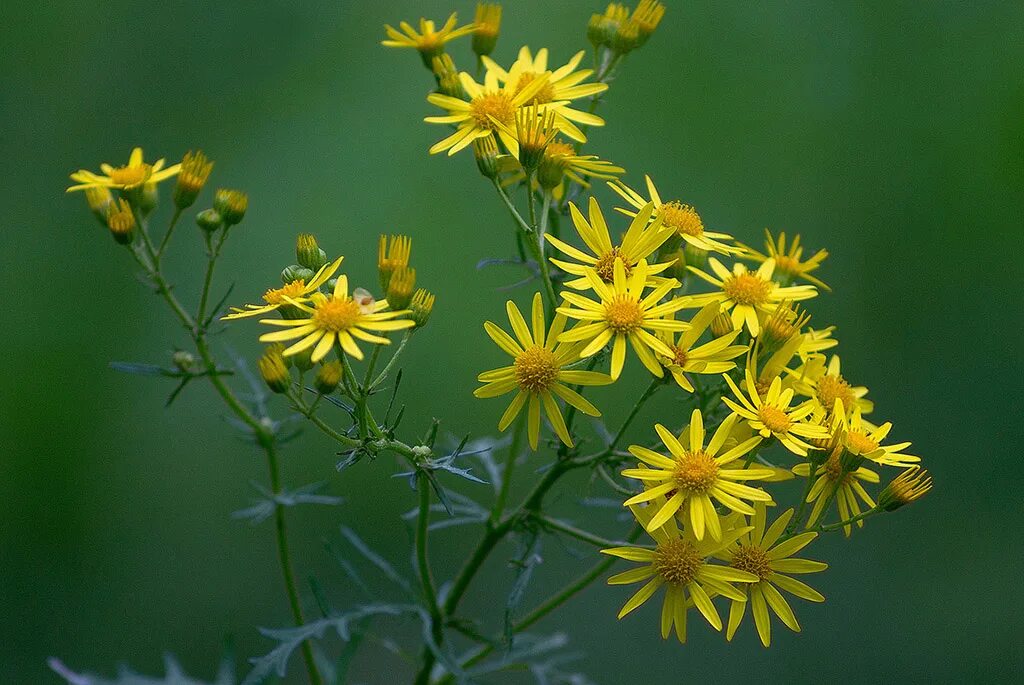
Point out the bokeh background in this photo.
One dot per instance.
(890, 132)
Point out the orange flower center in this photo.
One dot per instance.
(747, 288)
(338, 314)
(831, 388)
(490, 107)
(677, 561)
(752, 560)
(683, 218)
(536, 369)
(773, 418)
(292, 290)
(544, 95)
(132, 175)
(859, 443)
(605, 266)
(623, 314)
(695, 472)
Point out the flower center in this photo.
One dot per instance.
(130, 176)
(859, 443)
(831, 388)
(496, 105)
(623, 314)
(677, 561)
(605, 266)
(787, 264)
(545, 94)
(747, 288)
(773, 418)
(536, 369)
(683, 218)
(752, 560)
(695, 472)
(679, 355)
(337, 314)
(292, 290)
(834, 467)
(559, 149)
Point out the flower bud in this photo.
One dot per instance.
(146, 197)
(184, 361)
(99, 199)
(209, 220)
(400, 287)
(296, 273)
(602, 28)
(534, 130)
(121, 221)
(721, 325)
(447, 76)
(646, 17)
(195, 169)
(273, 369)
(328, 377)
(486, 152)
(488, 25)
(392, 254)
(421, 306)
(308, 252)
(231, 205)
(303, 361)
(909, 486)
(695, 256)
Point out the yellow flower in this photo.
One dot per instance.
(642, 239)
(696, 476)
(559, 164)
(130, 176)
(835, 479)
(746, 293)
(710, 358)
(624, 313)
(681, 563)
(560, 86)
(537, 372)
(817, 341)
(488, 106)
(773, 417)
(864, 440)
(825, 384)
(759, 552)
(295, 291)
(909, 486)
(336, 318)
(682, 218)
(429, 40)
(789, 263)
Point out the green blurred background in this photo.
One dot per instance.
(891, 133)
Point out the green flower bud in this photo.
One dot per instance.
(308, 252)
(209, 220)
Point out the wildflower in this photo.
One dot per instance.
(209, 220)
(624, 313)
(195, 170)
(392, 254)
(909, 486)
(487, 24)
(534, 131)
(710, 358)
(448, 81)
(231, 205)
(273, 369)
(537, 372)
(561, 86)
(781, 327)
(789, 263)
(772, 415)
(602, 28)
(298, 290)
(561, 162)
(308, 252)
(128, 177)
(429, 40)
(488, 159)
(826, 384)
(336, 318)
(328, 377)
(864, 440)
(817, 341)
(680, 217)
(645, 18)
(99, 200)
(487, 106)
(641, 240)
(721, 325)
(696, 476)
(121, 221)
(840, 480)
(421, 307)
(759, 552)
(682, 564)
(400, 287)
(747, 293)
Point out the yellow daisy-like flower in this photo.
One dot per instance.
(132, 175)
(696, 476)
(789, 263)
(773, 417)
(336, 318)
(681, 563)
(759, 552)
(488, 106)
(624, 313)
(560, 86)
(834, 480)
(817, 341)
(825, 384)
(537, 372)
(710, 358)
(297, 291)
(559, 164)
(746, 293)
(680, 217)
(642, 239)
(429, 40)
(865, 440)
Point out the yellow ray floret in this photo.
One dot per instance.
(789, 262)
(337, 318)
(297, 290)
(713, 357)
(696, 476)
(429, 40)
(537, 373)
(132, 175)
(624, 313)
(771, 415)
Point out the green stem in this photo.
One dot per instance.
(211, 264)
(167, 235)
(853, 519)
(617, 438)
(530, 237)
(426, 580)
(391, 362)
(573, 531)
(506, 477)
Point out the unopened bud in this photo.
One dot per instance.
(646, 17)
(534, 131)
(721, 325)
(195, 170)
(392, 254)
(274, 370)
(421, 306)
(400, 288)
(184, 361)
(486, 152)
(296, 272)
(209, 220)
(121, 221)
(488, 25)
(328, 377)
(909, 486)
(231, 205)
(99, 199)
(602, 28)
(308, 252)
(447, 76)
(147, 197)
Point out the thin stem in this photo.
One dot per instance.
(426, 580)
(211, 264)
(573, 531)
(853, 519)
(506, 477)
(369, 366)
(167, 234)
(391, 362)
(529, 233)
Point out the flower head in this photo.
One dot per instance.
(710, 358)
(623, 313)
(837, 479)
(789, 263)
(696, 475)
(864, 440)
(825, 384)
(297, 290)
(195, 170)
(909, 486)
(132, 175)
(487, 25)
(429, 40)
(537, 373)
(771, 415)
(338, 318)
